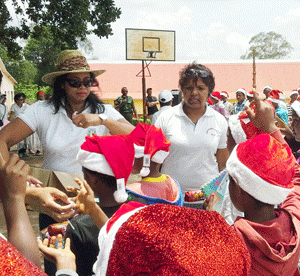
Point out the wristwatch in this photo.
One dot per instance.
(103, 117)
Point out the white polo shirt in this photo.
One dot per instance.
(60, 138)
(192, 159)
(157, 113)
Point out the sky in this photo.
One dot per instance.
(206, 30)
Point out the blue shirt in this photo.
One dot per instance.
(282, 114)
(239, 107)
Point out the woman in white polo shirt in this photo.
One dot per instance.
(197, 132)
(63, 122)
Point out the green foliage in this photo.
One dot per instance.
(23, 71)
(269, 45)
(68, 21)
(30, 90)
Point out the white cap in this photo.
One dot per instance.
(165, 96)
(267, 87)
(294, 92)
(241, 90)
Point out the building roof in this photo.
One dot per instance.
(4, 72)
(282, 75)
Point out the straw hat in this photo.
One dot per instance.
(70, 61)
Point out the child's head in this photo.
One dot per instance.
(240, 95)
(107, 163)
(263, 168)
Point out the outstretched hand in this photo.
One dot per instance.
(50, 201)
(85, 199)
(54, 251)
(263, 118)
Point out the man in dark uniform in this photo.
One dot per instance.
(151, 102)
(125, 105)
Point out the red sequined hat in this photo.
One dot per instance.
(263, 168)
(156, 148)
(162, 239)
(111, 155)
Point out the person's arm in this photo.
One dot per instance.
(134, 110)
(13, 175)
(222, 156)
(85, 201)
(13, 133)
(119, 104)
(151, 104)
(115, 127)
(43, 200)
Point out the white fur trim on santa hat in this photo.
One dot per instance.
(138, 151)
(273, 100)
(160, 156)
(298, 89)
(223, 94)
(241, 90)
(216, 98)
(267, 87)
(94, 161)
(106, 241)
(293, 93)
(253, 184)
(236, 129)
(250, 95)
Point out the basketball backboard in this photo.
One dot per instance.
(156, 45)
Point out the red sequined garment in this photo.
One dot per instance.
(13, 263)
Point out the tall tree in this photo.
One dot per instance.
(68, 20)
(269, 45)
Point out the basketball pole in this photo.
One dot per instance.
(144, 90)
(254, 72)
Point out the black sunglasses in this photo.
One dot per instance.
(87, 82)
(196, 73)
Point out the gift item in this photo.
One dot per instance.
(193, 196)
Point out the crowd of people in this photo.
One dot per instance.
(145, 228)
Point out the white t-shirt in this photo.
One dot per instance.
(18, 110)
(157, 113)
(60, 138)
(192, 159)
(3, 112)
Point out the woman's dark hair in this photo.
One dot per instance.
(59, 98)
(18, 96)
(195, 71)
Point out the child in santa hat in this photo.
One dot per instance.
(279, 110)
(228, 105)
(218, 104)
(151, 149)
(264, 174)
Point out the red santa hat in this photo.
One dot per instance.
(210, 101)
(110, 155)
(156, 148)
(298, 89)
(170, 240)
(40, 93)
(216, 95)
(241, 90)
(264, 168)
(139, 135)
(225, 94)
(250, 94)
(274, 96)
(294, 92)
